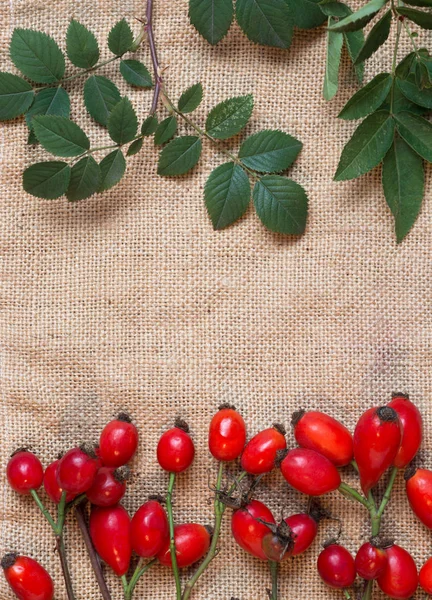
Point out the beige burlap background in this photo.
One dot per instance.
(130, 300)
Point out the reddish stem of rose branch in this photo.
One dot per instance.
(154, 56)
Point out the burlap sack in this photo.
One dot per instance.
(129, 300)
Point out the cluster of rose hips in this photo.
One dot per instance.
(385, 437)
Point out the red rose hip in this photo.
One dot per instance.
(399, 579)
(24, 472)
(77, 470)
(260, 452)
(336, 566)
(309, 472)
(118, 441)
(149, 529)
(109, 486)
(419, 493)
(248, 531)
(370, 561)
(425, 577)
(192, 542)
(52, 488)
(110, 534)
(176, 450)
(412, 429)
(291, 537)
(27, 578)
(227, 434)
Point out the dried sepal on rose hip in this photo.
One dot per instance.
(418, 485)
(175, 449)
(77, 469)
(118, 441)
(259, 455)
(149, 529)
(412, 429)
(309, 472)
(109, 486)
(110, 534)
(249, 526)
(336, 566)
(227, 434)
(27, 578)
(192, 542)
(399, 578)
(24, 472)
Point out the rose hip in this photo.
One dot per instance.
(399, 579)
(419, 492)
(412, 429)
(291, 537)
(52, 488)
(370, 561)
(260, 452)
(425, 576)
(227, 434)
(175, 450)
(192, 542)
(24, 472)
(248, 531)
(27, 578)
(110, 534)
(109, 486)
(149, 529)
(118, 441)
(77, 470)
(336, 566)
(309, 472)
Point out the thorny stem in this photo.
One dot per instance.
(154, 57)
(274, 570)
(172, 539)
(94, 559)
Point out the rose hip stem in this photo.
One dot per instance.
(274, 570)
(172, 539)
(94, 559)
(57, 528)
(139, 571)
(154, 56)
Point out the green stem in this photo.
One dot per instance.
(274, 570)
(44, 510)
(139, 571)
(172, 539)
(367, 594)
(394, 63)
(408, 30)
(347, 594)
(353, 494)
(387, 493)
(125, 587)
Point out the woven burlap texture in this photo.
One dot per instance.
(129, 300)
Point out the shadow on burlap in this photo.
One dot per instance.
(130, 300)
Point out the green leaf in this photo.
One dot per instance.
(47, 180)
(82, 47)
(425, 3)
(307, 13)
(410, 90)
(418, 17)
(333, 57)
(332, 8)
(229, 117)
(135, 147)
(417, 132)
(165, 130)
(367, 147)
(52, 101)
(405, 67)
(149, 126)
(403, 184)
(112, 169)
(60, 136)
(85, 179)
(37, 56)
(191, 98)
(360, 18)
(136, 73)
(264, 22)
(376, 38)
(123, 122)
(269, 151)
(211, 18)
(16, 96)
(400, 103)
(227, 194)
(120, 38)
(281, 204)
(100, 97)
(354, 41)
(180, 155)
(368, 99)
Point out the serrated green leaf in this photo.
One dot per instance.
(368, 99)
(37, 56)
(376, 38)
(354, 41)
(120, 38)
(417, 132)
(85, 179)
(136, 73)
(229, 117)
(100, 97)
(333, 57)
(403, 184)
(227, 195)
(269, 151)
(60, 136)
(360, 18)
(52, 101)
(149, 126)
(81, 45)
(418, 17)
(180, 155)
(16, 96)
(264, 22)
(281, 204)
(307, 13)
(123, 122)
(333, 8)
(165, 130)
(135, 147)
(191, 98)
(47, 180)
(112, 169)
(367, 147)
(211, 18)
(410, 90)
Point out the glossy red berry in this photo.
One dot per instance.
(377, 438)
(110, 534)
(399, 579)
(149, 529)
(336, 566)
(118, 441)
(248, 531)
(419, 493)
(304, 529)
(27, 578)
(227, 434)
(309, 472)
(260, 452)
(109, 486)
(412, 429)
(291, 537)
(425, 577)
(320, 432)
(370, 561)
(192, 542)
(176, 450)
(52, 488)
(24, 472)
(77, 470)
